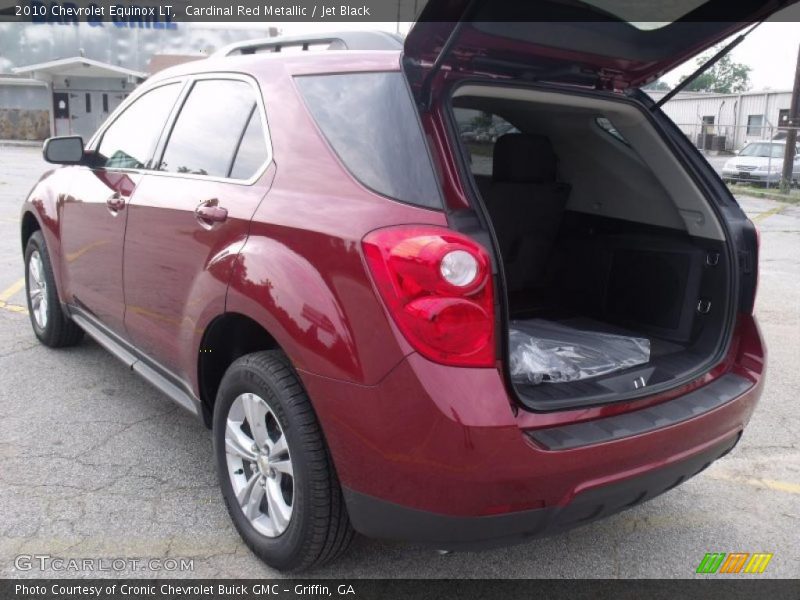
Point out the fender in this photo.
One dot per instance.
(329, 324)
(44, 205)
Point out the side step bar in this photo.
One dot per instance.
(134, 361)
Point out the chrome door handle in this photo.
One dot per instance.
(211, 213)
(115, 202)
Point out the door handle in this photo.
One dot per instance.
(211, 213)
(115, 202)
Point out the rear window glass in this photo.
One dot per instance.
(479, 132)
(371, 122)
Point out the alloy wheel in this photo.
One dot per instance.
(37, 289)
(259, 465)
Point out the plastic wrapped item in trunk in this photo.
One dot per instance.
(543, 351)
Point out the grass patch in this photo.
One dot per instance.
(793, 197)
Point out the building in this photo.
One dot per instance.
(66, 78)
(733, 119)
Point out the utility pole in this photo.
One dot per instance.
(791, 133)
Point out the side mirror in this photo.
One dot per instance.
(66, 150)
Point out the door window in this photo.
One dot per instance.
(130, 140)
(252, 150)
(211, 135)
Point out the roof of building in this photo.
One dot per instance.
(705, 95)
(78, 66)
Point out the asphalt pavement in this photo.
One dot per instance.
(95, 463)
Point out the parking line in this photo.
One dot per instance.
(770, 484)
(12, 289)
(15, 308)
(767, 214)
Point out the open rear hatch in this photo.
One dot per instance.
(605, 44)
(638, 299)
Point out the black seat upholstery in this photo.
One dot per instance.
(526, 203)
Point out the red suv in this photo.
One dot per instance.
(328, 256)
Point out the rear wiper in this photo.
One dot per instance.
(704, 67)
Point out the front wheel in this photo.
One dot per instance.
(50, 324)
(274, 468)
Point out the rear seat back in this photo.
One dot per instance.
(526, 203)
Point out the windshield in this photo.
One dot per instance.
(763, 150)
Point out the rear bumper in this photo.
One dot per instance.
(439, 454)
(381, 519)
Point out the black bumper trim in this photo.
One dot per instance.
(707, 398)
(378, 518)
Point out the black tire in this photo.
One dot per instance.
(58, 330)
(319, 529)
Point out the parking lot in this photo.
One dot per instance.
(96, 463)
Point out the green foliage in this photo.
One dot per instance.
(725, 77)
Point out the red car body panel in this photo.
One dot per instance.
(452, 433)
(400, 428)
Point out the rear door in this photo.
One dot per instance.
(608, 44)
(190, 217)
(95, 210)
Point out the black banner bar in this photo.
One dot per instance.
(164, 12)
(375, 589)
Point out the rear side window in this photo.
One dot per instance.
(130, 140)
(371, 122)
(209, 131)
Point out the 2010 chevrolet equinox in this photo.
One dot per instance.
(328, 257)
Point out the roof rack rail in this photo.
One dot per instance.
(344, 40)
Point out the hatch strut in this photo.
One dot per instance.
(425, 89)
(704, 67)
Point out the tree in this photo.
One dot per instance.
(725, 77)
(657, 86)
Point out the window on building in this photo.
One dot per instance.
(88, 103)
(783, 117)
(130, 140)
(219, 110)
(755, 124)
(708, 124)
(105, 103)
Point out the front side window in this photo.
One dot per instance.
(130, 140)
(370, 121)
(212, 130)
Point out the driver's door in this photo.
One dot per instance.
(94, 212)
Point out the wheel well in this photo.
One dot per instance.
(227, 338)
(29, 225)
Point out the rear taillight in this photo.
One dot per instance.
(437, 285)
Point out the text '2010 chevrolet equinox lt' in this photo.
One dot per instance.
(464, 289)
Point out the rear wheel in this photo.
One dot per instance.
(50, 324)
(274, 468)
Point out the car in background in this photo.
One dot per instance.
(760, 162)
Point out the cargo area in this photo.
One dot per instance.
(600, 231)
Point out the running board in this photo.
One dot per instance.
(132, 359)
